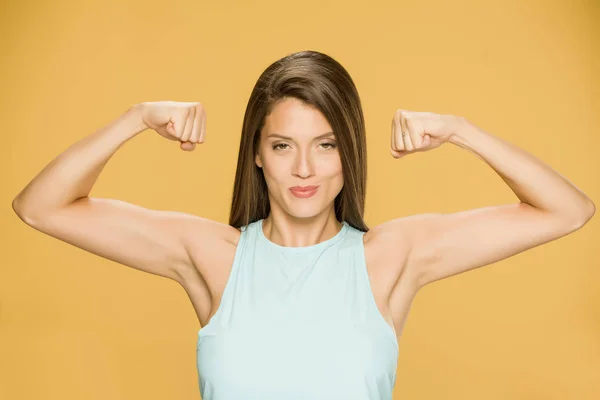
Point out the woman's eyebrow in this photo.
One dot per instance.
(277, 135)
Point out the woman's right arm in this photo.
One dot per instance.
(56, 201)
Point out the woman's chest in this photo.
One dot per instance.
(324, 356)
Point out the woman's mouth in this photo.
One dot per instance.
(304, 191)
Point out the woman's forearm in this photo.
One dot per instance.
(533, 182)
(72, 174)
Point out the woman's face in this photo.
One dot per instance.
(298, 148)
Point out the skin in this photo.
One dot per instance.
(402, 255)
(301, 160)
(307, 157)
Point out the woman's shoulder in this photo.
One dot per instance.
(385, 248)
(211, 245)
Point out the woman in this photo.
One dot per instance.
(297, 298)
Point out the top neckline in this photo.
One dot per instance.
(303, 249)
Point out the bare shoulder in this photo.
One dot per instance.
(386, 251)
(211, 246)
(393, 284)
(389, 245)
(395, 239)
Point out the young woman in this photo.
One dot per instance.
(296, 296)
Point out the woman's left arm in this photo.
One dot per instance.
(441, 245)
(534, 182)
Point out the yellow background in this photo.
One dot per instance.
(76, 326)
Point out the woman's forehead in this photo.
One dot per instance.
(295, 119)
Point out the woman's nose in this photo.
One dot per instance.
(303, 164)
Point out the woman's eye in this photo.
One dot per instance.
(328, 146)
(276, 147)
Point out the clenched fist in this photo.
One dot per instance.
(414, 131)
(182, 121)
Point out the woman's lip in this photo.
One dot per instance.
(304, 193)
(304, 189)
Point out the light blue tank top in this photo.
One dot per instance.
(297, 323)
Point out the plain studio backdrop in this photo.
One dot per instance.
(77, 326)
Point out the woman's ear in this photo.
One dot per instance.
(257, 160)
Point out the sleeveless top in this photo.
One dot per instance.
(297, 323)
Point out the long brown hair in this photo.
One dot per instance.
(320, 81)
